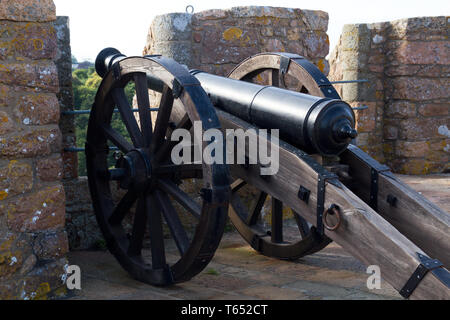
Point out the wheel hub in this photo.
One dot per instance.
(137, 170)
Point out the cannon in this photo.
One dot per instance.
(331, 189)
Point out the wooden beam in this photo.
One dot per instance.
(363, 232)
(412, 214)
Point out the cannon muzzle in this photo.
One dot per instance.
(106, 59)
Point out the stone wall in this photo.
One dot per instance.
(407, 64)
(33, 242)
(216, 40)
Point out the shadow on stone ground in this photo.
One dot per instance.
(237, 272)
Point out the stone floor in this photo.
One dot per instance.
(239, 273)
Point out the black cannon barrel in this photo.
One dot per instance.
(314, 124)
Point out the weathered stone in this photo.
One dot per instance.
(6, 124)
(31, 144)
(31, 40)
(274, 45)
(355, 38)
(39, 211)
(28, 10)
(414, 167)
(224, 54)
(197, 36)
(296, 47)
(417, 70)
(42, 75)
(212, 14)
(15, 179)
(323, 65)
(268, 32)
(5, 95)
(172, 27)
(376, 68)
(28, 264)
(316, 44)
(50, 169)
(390, 132)
(38, 109)
(365, 119)
(293, 34)
(432, 109)
(232, 36)
(423, 52)
(315, 20)
(42, 281)
(425, 128)
(262, 12)
(401, 110)
(420, 88)
(51, 245)
(413, 149)
(181, 51)
(417, 28)
(70, 165)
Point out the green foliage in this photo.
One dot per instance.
(212, 272)
(85, 85)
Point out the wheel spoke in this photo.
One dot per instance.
(122, 208)
(139, 225)
(252, 219)
(302, 224)
(128, 117)
(143, 101)
(116, 138)
(174, 222)
(153, 211)
(168, 145)
(238, 185)
(277, 221)
(162, 121)
(181, 197)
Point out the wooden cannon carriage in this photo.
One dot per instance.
(334, 191)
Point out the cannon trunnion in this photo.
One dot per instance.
(333, 190)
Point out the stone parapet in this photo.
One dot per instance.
(217, 40)
(407, 65)
(33, 243)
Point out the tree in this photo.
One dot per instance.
(85, 85)
(74, 60)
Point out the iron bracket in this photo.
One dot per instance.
(284, 66)
(304, 194)
(116, 71)
(177, 88)
(321, 201)
(374, 180)
(426, 264)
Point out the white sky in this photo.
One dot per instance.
(96, 24)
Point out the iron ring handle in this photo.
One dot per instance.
(333, 210)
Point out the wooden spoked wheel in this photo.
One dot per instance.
(272, 235)
(149, 179)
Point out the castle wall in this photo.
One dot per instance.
(33, 242)
(408, 66)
